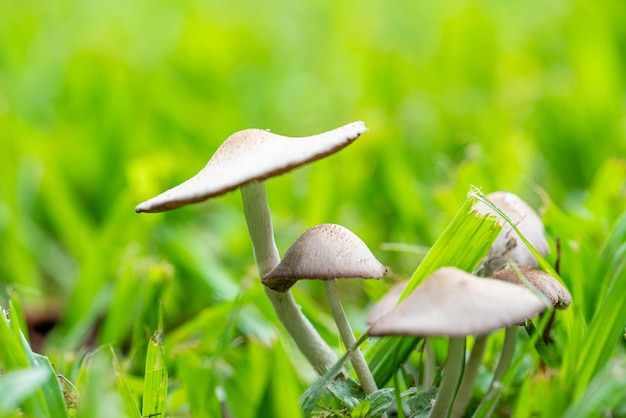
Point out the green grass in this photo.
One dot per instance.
(103, 105)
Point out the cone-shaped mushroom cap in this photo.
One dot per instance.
(326, 251)
(546, 284)
(508, 242)
(246, 156)
(454, 303)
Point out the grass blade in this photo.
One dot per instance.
(46, 398)
(606, 390)
(607, 324)
(17, 385)
(129, 401)
(155, 383)
(51, 389)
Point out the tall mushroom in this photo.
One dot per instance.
(455, 304)
(244, 161)
(329, 252)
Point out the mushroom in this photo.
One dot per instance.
(252, 155)
(326, 252)
(455, 304)
(244, 160)
(558, 295)
(508, 244)
(329, 252)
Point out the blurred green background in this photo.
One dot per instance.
(106, 104)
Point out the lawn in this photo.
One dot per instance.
(104, 105)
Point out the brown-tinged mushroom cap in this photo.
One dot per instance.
(326, 251)
(508, 242)
(453, 303)
(545, 283)
(249, 155)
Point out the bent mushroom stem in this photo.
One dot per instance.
(358, 360)
(451, 377)
(259, 221)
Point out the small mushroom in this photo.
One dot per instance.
(245, 160)
(545, 283)
(454, 303)
(329, 252)
(508, 244)
(326, 252)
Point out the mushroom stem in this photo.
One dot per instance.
(430, 366)
(358, 360)
(451, 377)
(470, 373)
(259, 221)
(506, 357)
(314, 348)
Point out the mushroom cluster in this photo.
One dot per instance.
(507, 290)
(244, 161)
(456, 304)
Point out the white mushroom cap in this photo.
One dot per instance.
(249, 155)
(508, 242)
(453, 303)
(545, 283)
(326, 251)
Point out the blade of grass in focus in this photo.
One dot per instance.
(452, 248)
(155, 383)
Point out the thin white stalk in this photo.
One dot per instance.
(464, 394)
(259, 221)
(508, 350)
(347, 336)
(430, 368)
(506, 358)
(452, 375)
